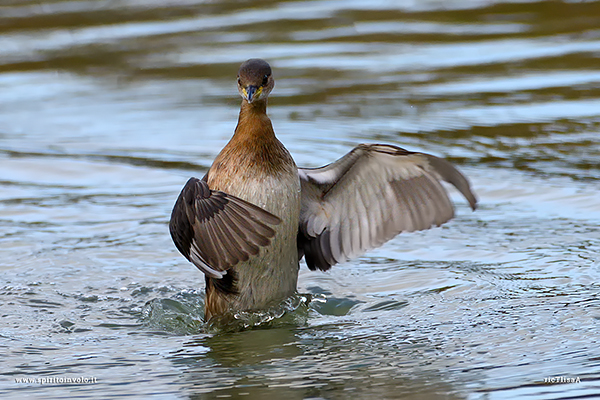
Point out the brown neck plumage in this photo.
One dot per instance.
(253, 150)
(253, 122)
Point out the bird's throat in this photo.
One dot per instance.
(252, 153)
(253, 122)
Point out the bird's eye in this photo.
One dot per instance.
(239, 81)
(265, 80)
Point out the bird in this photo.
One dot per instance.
(254, 215)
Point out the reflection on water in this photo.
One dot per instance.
(106, 108)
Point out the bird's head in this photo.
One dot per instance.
(255, 80)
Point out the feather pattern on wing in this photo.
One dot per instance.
(216, 231)
(369, 196)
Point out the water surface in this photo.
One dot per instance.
(106, 108)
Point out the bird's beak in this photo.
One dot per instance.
(252, 93)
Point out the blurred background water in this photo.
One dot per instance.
(107, 107)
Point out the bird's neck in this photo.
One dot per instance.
(253, 123)
(252, 152)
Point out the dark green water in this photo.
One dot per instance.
(107, 107)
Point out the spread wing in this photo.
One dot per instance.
(369, 196)
(215, 231)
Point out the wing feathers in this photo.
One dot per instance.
(370, 195)
(215, 231)
(451, 175)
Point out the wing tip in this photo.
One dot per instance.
(473, 201)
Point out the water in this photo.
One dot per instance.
(106, 108)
